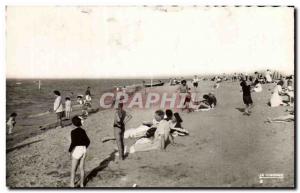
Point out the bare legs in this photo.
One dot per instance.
(75, 163)
(248, 108)
(119, 136)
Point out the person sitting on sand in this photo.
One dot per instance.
(121, 117)
(58, 108)
(218, 81)
(183, 88)
(11, 122)
(247, 99)
(82, 102)
(161, 136)
(276, 99)
(289, 91)
(79, 144)
(209, 102)
(68, 107)
(175, 124)
(88, 101)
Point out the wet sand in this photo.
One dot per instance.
(224, 149)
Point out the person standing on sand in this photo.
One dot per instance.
(58, 108)
(195, 81)
(183, 90)
(11, 122)
(79, 143)
(68, 107)
(121, 117)
(247, 99)
(88, 91)
(268, 77)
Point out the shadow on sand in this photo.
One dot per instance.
(102, 165)
(242, 110)
(21, 146)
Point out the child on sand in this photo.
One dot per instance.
(83, 106)
(11, 122)
(68, 107)
(120, 119)
(247, 99)
(79, 143)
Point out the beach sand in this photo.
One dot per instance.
(224, 149)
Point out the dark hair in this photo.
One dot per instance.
(13, 114)
(76, 121)
(79, 97)
(169, 113)
(56, 92)
(183, 81)
(206, 96)
(88, 87)
(280, 83)
(160, 113)
(177, 117)
(67, 98)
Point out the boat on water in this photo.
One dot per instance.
(18, 83)
(154, 84)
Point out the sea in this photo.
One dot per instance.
(25, 98)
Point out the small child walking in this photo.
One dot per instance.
(79, 144)
(68, 107)
(120, 119)
(247, 99)
(11, 122)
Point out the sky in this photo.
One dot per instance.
(140, 41)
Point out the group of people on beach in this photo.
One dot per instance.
(166, 124)
(65, 110)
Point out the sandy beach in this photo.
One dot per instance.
(224, 149)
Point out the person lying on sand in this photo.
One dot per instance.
(161, 136)
(138, 132)
(281, 119)
(79, 143)
(147, 129)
